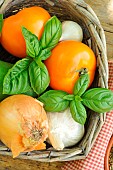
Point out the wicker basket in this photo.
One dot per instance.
(79, 11)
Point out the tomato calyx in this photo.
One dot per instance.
(82, 71)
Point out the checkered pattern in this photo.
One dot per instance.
(95, 159)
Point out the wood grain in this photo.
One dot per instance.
(7, 163)
(104, 11)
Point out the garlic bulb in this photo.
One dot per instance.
(63, 130)
(71, 31)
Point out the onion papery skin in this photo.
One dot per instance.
(23, 124)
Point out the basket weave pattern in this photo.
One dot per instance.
(79, 11)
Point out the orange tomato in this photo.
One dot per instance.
(66, 58)
(33, 18)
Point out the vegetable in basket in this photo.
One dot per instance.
(23, 124)
(71, 31)
(67, 59)
(63, 130)
(33, 18)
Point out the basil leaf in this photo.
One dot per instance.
(78, 112)
(69, 97)
(17, 79)
(32, 43)
(54, 100)
(81, 84)
(45, 54)
(98, 99)
(52, 33)
(39, 77)
(1, 22)
(31, 93)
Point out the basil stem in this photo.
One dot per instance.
(69, 97)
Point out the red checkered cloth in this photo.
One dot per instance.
(95, 159)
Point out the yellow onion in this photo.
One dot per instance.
(23, 124)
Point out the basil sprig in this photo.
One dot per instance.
(96, 99)
(31, 71)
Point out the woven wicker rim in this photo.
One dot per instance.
(79, 11)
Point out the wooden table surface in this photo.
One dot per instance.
(104, 11)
